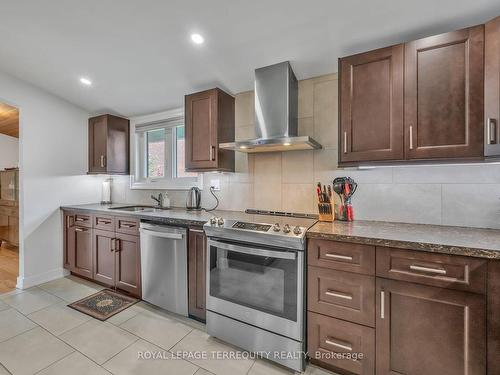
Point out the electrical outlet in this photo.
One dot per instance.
(215, 184)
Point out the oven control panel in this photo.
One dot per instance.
(252, 226)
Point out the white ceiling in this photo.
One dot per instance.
(141, 60)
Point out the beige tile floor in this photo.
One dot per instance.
(39, 334)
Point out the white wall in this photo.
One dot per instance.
(9, 151)
(53, 165)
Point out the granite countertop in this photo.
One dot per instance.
(174, 215)
(475, 242)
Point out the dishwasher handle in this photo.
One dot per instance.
(172, 236)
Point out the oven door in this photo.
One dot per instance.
(257, 285)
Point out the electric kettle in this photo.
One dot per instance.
(193, 200)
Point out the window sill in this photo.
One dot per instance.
(171, 184)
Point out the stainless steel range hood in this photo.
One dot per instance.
(276, 97)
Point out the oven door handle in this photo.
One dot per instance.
(253, 251)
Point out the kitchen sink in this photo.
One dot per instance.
(138, 208)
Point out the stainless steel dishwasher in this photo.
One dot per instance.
(164, 267)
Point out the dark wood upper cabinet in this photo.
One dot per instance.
(492, 87)
(209, 120)
(109, 140)
(424, 100)
(371, 106)
(444, 95)
(197, 263)
(428, 330)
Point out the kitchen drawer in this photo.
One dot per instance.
(343, 295)
(341, 256)
(333, 343)
(83, 220)
(446, 271)
(104, 222)
(127, 225)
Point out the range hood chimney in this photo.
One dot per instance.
(276, 125)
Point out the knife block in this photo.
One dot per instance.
(326, 211)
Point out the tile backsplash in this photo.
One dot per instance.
(460, 195)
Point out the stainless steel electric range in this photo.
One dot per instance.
(255, 284)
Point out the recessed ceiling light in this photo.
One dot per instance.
(85, 81)
(197, 38)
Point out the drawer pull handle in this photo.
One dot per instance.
(341, 346)
(125, 225)
(411, 137)
(438, 271)
(336, 256)
(382, 304)
(338, 295)
(80, 230)
(81, 219)
(101, 221)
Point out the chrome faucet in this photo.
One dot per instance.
(158, 200)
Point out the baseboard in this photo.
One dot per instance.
(30, 281)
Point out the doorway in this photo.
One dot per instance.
(9, 197)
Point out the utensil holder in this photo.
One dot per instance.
(345, 212)
(326, 211)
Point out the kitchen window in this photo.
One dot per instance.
(159, 156)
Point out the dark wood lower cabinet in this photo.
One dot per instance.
(110, 257)
(429, 330)
(340, 345)
(104, 257)
(493, 337)
(77, 247)
(68, 240)
(82, 251)
(128, 263)
(197, 254)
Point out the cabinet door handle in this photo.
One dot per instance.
(113, 244)
(491, 127)
(382, 304)
(125, 225)
(118, 245)
(411, 137)
(212, 153)
(330, 341)
(333, 293)
(345, 142)
(103, 161)
(337, 256)
(439, 271)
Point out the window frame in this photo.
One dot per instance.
(170, 120)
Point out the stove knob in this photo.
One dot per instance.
(213, 220)
(297, 230)
(220, 221)
(286, 228)
(276, 227)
